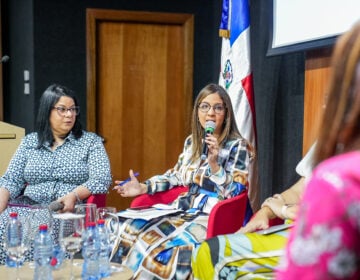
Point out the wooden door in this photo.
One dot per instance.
(139, 89)
(317, 71)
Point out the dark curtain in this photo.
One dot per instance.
(279, 102)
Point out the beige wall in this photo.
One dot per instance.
(10, 137)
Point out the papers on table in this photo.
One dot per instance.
(148, 213)
(274, 229)
(68, 216)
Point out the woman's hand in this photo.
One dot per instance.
(275, 203)
(69, 201)
(131, 188)
(259, 221)
(213, 152)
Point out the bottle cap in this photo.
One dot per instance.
(13, 214)
(43, 227)
(91, 224)
(101, 222)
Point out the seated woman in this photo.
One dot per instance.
(325, 242)
(59, 161)
(247, 253)
(161, 248)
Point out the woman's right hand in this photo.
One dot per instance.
(131, 188)
(258, 222)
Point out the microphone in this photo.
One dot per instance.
(209, 128)
(4, 59)
(56, 206)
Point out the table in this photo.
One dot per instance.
(26, 272)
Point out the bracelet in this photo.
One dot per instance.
(278, 195)
(77, 196)
(283, 210)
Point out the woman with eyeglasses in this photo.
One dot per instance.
(59, 162)
(161, 248)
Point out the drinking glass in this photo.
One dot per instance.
(39, 214)
(88, 210)
(102, 211)
(17, 248)
(71, 229)
(108, 214)
(111, 220)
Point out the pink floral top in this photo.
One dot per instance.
(325, 242)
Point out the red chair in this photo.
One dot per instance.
(98, 199)
(159, 197)
(227, 216)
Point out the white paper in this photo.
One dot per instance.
(68, 216)
(147, 214)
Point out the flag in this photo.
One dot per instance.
(236, 78)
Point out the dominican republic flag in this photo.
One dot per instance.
(236, 78)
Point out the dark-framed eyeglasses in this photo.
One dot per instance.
(205, 107)
(62, 111)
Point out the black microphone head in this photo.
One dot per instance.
(56, 206)
(210, 127)
(5, 58)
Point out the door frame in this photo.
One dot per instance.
(93, 16)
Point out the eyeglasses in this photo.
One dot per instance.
(205, 107)
(63, 110)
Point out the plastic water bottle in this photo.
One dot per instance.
(104, 238)
(90, 253)
(58, 256)
(13, 231)
(43, 252)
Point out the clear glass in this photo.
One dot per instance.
(89, 213)
(111, 221)
(71, 229)
(88, 210)
(108, 214)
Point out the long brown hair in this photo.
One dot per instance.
(340, 129)
(229, 129)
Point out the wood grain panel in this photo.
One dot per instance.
(317, 70)
(140, 89)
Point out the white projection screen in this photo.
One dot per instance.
(299, 25)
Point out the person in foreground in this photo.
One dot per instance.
(161, 248)
(247, 253)
(325, 242)
(59, 161)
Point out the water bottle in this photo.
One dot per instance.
(43, 252)
(90, 253)
(13, 231)
(58, 256)
(104, 238)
